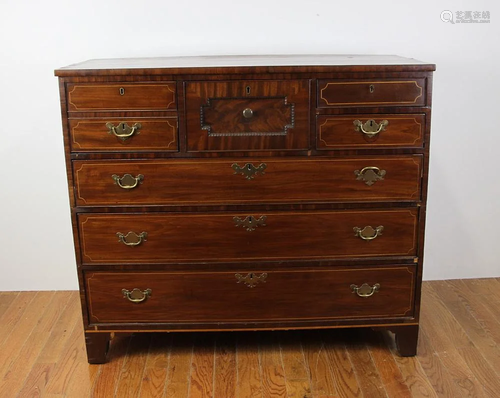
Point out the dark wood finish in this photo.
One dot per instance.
(406, 340)
(363, 93)
(155, 134)
(279, 118)
(339, 132)
(97, 346)
(108, 97)
(189, 297)
(214, 237)
(303, 108)
(192, 182)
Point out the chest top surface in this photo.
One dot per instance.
(244, 63)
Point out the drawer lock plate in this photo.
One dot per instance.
(250, 222)
(249, 170)
(251, 280)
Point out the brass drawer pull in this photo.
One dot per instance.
(368, 233)
(249, 170)
(251, 280)
(128, 181)
(370, 128)
(136, 295)
(250, 222)
(247, 113)
(365, 290)
(132, 239)
(370, 175)
(123, 131)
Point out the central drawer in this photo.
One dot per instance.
(250, 295)
(163, 238)
(247, 115)
(239, 181)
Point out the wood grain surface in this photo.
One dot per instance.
(173, 238)
(215, 182)
(179, 297)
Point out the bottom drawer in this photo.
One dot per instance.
(250, 295)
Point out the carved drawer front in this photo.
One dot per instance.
(370, 131)
(250, 295)
(84, 97)
(246, 236)
(123, 134)
(247, 115)
(402, 92)
(240, 181)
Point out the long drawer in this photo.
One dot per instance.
(239, 181)
(162, 238)
(247, 294)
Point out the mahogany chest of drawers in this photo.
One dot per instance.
(248, 193)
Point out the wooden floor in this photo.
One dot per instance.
(42, 354)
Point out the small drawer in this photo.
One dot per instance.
(407, 92)
(370, 131)
(162, 238)
(124, 134)
(240, 181)
(247, 116)
(204, 297)
(84, 97)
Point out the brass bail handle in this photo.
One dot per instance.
(132, 239)
(370, 128)
(370, 175)
(365, 290)
(123, 130)
(368, 232)
(136, 295)
(128, 181)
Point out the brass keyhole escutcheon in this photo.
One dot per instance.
(251, 280)
(247, 90)
(122, 91)
(372, 88)
(249, 170)
(250, 223)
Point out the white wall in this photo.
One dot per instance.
(38, 36)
